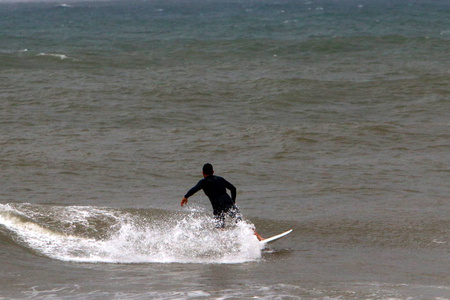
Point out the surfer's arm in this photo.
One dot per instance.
(191, 192)
(232, 189)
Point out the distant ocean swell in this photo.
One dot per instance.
(260, 51)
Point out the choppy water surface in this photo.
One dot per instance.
(330, 117)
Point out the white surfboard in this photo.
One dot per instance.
(275, 237)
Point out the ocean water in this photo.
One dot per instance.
(330, 117)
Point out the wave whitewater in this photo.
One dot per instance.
(106, 235)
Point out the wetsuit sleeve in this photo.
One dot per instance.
(195, 189)
(232, 190)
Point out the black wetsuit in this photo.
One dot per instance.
(215, 188)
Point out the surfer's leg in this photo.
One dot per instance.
(260, 238)
(235, 214)
(219, 219)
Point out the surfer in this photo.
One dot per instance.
(215, 187)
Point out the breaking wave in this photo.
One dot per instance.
(107, 235)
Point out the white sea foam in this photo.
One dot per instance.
(60, 56)
(189, 239)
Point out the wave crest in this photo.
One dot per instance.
(106, 235)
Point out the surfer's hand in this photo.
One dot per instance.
(183, 201)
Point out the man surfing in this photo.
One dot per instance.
(215, 187)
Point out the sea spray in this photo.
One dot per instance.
(140, 236)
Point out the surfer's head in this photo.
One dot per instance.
(207, 170)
